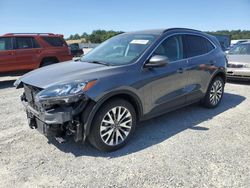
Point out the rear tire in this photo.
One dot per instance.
(214, 93)
(48, 62)
(113, 125)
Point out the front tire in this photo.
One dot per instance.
(214, 93)
(113, 125)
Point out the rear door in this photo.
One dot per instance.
(201, 60)
(7, 55)
(27, 53)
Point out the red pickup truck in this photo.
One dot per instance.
(28, 51)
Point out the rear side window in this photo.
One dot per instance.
(26, 42)
(172, 48)
(197, 45)
(6, 43)
(54, 41)
(35, 43)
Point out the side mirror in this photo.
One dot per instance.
(157, 61)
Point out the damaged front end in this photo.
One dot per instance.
(56, 111)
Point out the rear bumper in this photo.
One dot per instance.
(238, 73)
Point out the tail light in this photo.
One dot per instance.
(69, 49)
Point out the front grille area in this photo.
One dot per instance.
(30, 92)
(230, 65)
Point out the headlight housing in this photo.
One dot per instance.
(67, 92)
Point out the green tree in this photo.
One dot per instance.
(235, 34)
(76, 36)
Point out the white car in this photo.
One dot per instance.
(239, 62)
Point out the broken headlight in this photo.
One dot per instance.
(67, 93)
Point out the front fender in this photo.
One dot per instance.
(90, 111)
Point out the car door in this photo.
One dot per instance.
(27, 53)
(201, 62)
(168, 83)
(7, 55)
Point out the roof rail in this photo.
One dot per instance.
(177, 28)
(29, 34)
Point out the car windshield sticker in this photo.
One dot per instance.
(136, 41)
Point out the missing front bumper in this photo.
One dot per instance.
(58, 121)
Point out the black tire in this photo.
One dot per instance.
(47, 63)
(207, 102)
(95, 137)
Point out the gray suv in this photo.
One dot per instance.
(128, 78)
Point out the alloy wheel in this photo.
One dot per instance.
(216, 92)
(116, 126)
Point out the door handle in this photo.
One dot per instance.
(180, 70)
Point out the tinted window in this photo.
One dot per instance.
(24, 42)
(35, 43)
(54, 41)
(5, 43)
(74, 46)
(172, 48)
(242, 49)
(196, 45)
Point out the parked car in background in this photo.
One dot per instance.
(130, 77)
(239, 62)
(76, 51)
(28, 51)
(224, 41)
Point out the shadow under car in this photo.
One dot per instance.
(157, 130)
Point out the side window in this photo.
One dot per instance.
(197, 45)
(54, 41)
(172, 48)
(35, 43)
(23, 42)
(248, 49)
(6, 43)
(209, 45)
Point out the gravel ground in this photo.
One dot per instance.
(191, 147)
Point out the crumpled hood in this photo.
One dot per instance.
(63, 72)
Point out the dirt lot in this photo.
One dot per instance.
(191, 147)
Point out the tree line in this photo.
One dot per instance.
(98, 36)
(235, 34)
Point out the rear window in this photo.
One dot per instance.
(6, 43)
(197, 45)
(54, 41)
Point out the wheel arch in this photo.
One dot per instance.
(221, 74)
(93, 107)
(47, 59)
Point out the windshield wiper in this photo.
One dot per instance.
(99, 62)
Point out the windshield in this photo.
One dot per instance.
(242, 49)
(120, 50)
